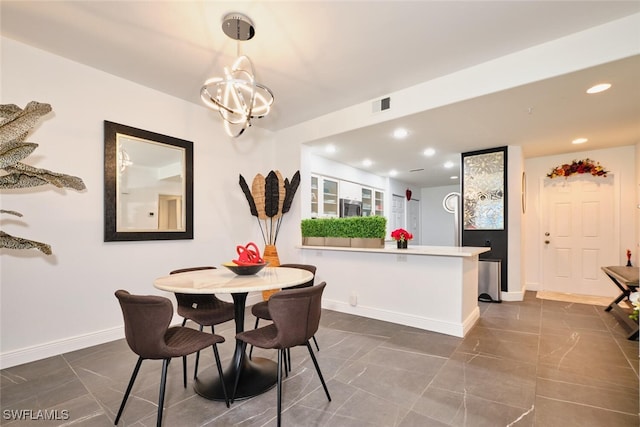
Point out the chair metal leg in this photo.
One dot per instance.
(316, 343)
(129, 387)
(220, 374)
(184, 371)
(286, 366)
(315, 363)
(163, 383)
(254, 327)
(184, 322)
(289, 359)
(279, 404)
(195, 370)
(237, 380)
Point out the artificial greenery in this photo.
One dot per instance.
(313, 228)
(15, 125)
(351, 227)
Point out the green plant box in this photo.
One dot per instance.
(359, 242)
(337, 241)
(343, 231)
(313, 241)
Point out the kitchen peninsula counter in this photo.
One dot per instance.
(454, 251)
(428, 287)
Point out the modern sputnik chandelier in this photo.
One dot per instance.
(237, 96)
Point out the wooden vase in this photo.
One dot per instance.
(270, 255)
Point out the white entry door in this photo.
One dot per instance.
(580, 234)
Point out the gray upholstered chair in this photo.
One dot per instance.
(296, 317)
(146, 328)
(205, 310)
(261, 310)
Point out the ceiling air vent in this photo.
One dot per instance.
(381, 105)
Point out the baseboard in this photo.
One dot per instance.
(65, 345)
(448, 328)
(512, 296)
(54, 348)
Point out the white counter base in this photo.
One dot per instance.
(431, 288)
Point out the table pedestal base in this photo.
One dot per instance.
(258, 375)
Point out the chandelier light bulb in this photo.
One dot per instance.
(598, 88)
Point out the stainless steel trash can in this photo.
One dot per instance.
(489, 286)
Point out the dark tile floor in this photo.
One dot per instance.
(531, 363)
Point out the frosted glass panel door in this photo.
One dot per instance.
(484, 205)
(484, 191)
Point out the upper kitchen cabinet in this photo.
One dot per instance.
(367, 202)
(372, 202)
(324, 197)
(379, 203)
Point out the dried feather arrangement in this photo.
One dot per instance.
(269, 199)
(15, 124)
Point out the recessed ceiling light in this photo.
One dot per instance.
(429, 152)
(367, 163)
(449, 165)
(400, 133)
(579, 141)
(599, 88)
(454, 177)
(330, 148)
(393, 172)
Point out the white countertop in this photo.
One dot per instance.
(449, 251)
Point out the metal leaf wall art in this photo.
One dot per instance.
(15, 124)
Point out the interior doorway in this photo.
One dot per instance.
(397, 212)
(580, 234)
(413, 220)
(169, 212)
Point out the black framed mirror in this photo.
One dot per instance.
(148, 185)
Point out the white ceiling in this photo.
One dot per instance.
(320, 56)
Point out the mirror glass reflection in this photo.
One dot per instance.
(150, 184)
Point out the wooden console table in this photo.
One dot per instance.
(626, 279)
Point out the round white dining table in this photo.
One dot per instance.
(257, 375)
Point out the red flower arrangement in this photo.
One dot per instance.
(578, 167)
(401, 234)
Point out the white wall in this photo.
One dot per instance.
(620, 161)
(437, 224)
(515, 242)
(51, 304)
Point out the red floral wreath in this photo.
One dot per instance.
(578, 167)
